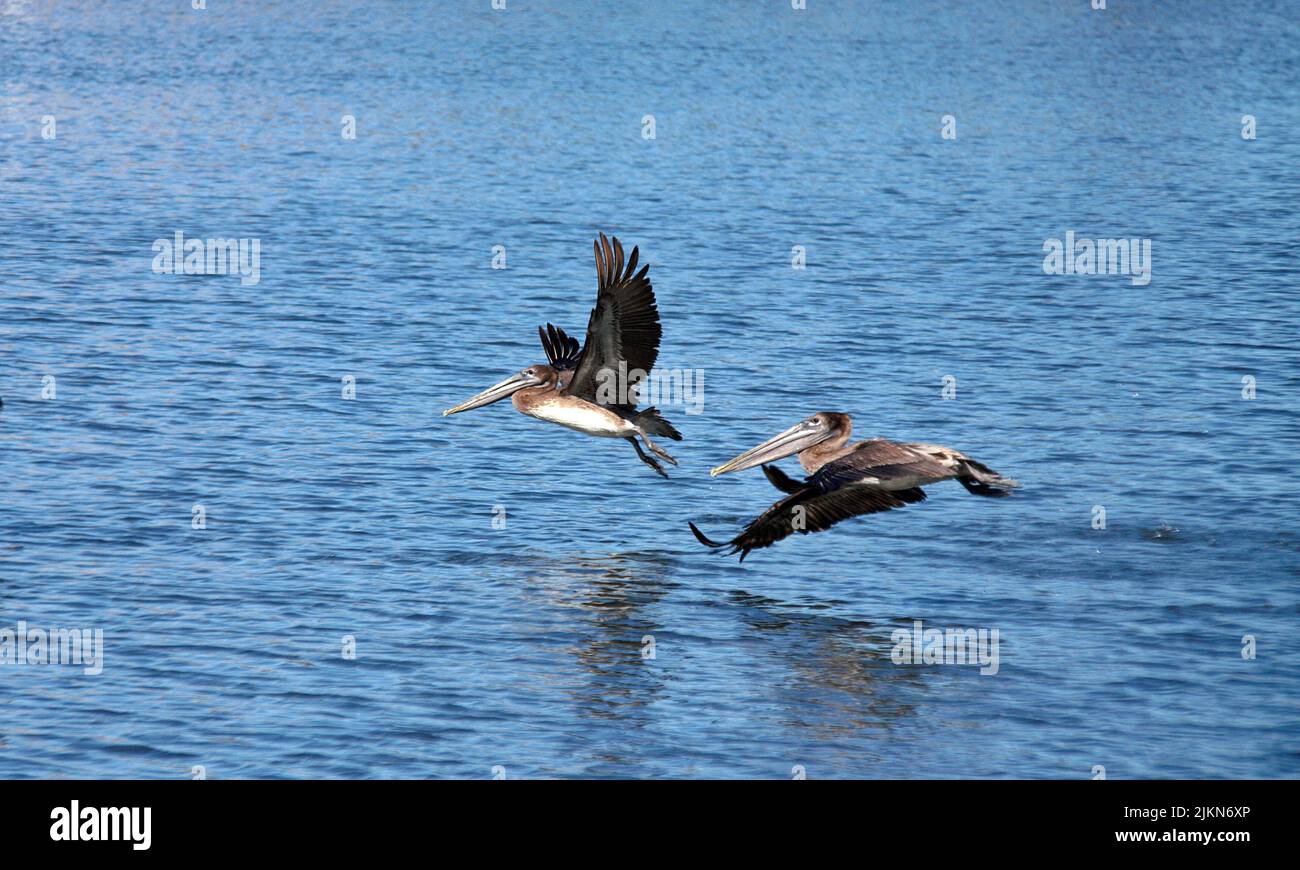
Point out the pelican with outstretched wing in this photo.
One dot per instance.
(846, 480)
(590, 389)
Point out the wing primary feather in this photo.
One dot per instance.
(562, 351)
(605, 278)
(700, 536)
(546, 343)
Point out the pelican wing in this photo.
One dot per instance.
(781, 480)
(562, 351)
(623, 328)
(811, 510)
(881, 463)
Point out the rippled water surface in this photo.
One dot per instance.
(522, 647)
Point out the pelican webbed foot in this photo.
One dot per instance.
(647, 458)
(658, 451)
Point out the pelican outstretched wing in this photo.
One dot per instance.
(811, 510)
(623, 328)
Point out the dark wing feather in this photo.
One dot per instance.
(781, 480)
(811, 510)
(562, 351)
(624, 325)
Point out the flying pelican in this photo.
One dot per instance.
(577, 387)
(846, 480)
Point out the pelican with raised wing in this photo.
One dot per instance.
(846, 480)
(580, 387)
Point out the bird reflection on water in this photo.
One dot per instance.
(608, 599)
(840, 679)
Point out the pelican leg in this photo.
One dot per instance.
(647, 458)
(659, 451)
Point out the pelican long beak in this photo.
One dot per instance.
(798, 437)
(494, 393)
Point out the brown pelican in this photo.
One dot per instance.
(578, 388)
(846, 480)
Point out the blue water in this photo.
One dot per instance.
(521, 647)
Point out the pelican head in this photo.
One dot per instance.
(822, 426)
(533, 376)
